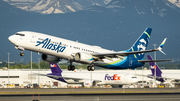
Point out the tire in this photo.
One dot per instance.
(92, 68)
(69, 67)
(88, 68)
(21, 54)
(72, 68)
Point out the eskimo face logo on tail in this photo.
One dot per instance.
(46, 44)
(115, 77)
(141, 46)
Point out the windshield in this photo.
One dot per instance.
(19, 34)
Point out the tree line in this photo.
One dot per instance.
(45, 65)
(41, 65)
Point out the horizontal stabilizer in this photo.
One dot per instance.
(143, 61)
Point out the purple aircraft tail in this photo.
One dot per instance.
(154, 66)
(56, 71)
(55, 68)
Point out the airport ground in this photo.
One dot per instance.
(15, 91)
(91, 94)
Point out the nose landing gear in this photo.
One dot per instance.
(20, 48)
(22, 53)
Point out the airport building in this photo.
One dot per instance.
(22, 78)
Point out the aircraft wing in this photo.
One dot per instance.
(165, 78)
(117, 54)
(73, 78)
(149, 76)
(122, 54)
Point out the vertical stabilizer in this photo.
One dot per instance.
(55, 68)
(56, 71)
(153, 65)
(141, 43)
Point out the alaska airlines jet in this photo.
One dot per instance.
(53, 49)
(165, 78)
(88, 79)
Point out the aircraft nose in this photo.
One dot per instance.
(11, 38)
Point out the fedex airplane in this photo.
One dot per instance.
(88, 79)
(165, 78)
(53, 49)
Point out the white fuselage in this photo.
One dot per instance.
(29, 41)
(102, 77)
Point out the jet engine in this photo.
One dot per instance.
(83, 57)
(49, 58)
(87, 84)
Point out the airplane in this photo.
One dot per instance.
(164, 78)
(54, 49)
(88, 79)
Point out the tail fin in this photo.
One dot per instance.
(56, 72)
(55, 68)
(141, 43)
(153, 65)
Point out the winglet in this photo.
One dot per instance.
(161, 46)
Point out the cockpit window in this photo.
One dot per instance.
(20, 34)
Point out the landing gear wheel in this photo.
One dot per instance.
(71, 68)
(21, 54)
(90, 68)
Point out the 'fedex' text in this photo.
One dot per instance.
(114, 77)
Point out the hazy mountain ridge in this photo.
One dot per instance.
(55, 6)
(66, 6)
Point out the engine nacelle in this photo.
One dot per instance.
(87, 84)
(49, 58)
(83, 57)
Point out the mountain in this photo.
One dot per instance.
(66, 6)
(55, 6)
(114, 26)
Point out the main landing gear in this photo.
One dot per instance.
(71, 67)
(89, 68)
